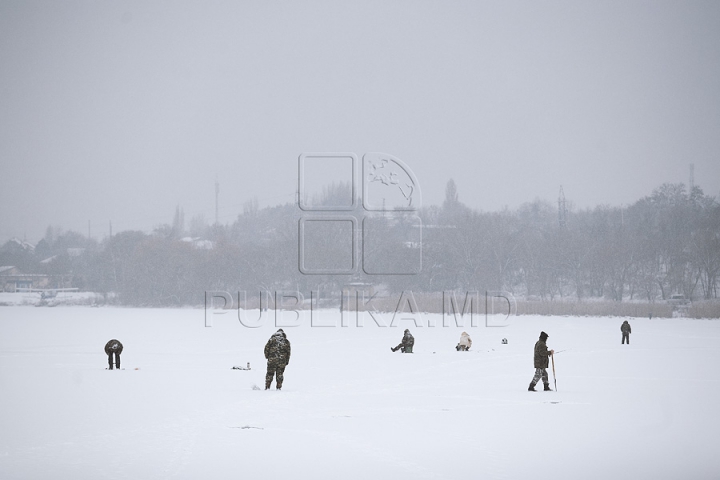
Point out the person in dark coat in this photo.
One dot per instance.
(541, 359)
(277, 352)
(113, 348)
(406, 344)
(626, 331)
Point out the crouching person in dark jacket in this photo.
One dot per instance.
(406, 344)
(277, 352)
(113, 348)
(540, 360)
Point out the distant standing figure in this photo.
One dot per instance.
(626, 331)
(406, 344)
(277, 352)
(113, 348)
(540, 360)
(465, 342)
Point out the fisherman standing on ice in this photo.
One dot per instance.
(277, 352)
(406, 344)
(541, 360)
(626, 330)
(113, 348)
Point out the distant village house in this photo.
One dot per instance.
(13, 280)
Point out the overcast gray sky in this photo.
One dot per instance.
(122, 110)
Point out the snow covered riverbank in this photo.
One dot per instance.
(350, 408)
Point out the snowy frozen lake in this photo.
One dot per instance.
(349, 407)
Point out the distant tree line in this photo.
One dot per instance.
(663, 244)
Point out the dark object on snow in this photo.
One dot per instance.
(626, 331)
(113, 348)
(541, 356)
(277, 352)
(546, 388)
(504, 341)
(406, 344)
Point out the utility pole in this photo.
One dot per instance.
(691, 183)
(217, 202)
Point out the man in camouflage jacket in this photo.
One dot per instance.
(277, 352)
(113, 348)
(540, 360)
(626, 330)
(406, 344)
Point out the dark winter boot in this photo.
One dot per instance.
(267, 386)
(393, 349)
(547, 388)
(279, 387)
(531, 388)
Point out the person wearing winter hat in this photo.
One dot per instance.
(406, 344)
(540, 360)
(465, 342)
(626, 330)
(113, 348)
(277, 352)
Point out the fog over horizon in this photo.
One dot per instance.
(119, 112)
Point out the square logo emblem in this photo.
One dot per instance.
(347, 219)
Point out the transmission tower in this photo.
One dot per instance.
(562, 209)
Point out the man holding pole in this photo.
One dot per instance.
(541, 357)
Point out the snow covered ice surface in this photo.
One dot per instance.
(349, 407)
